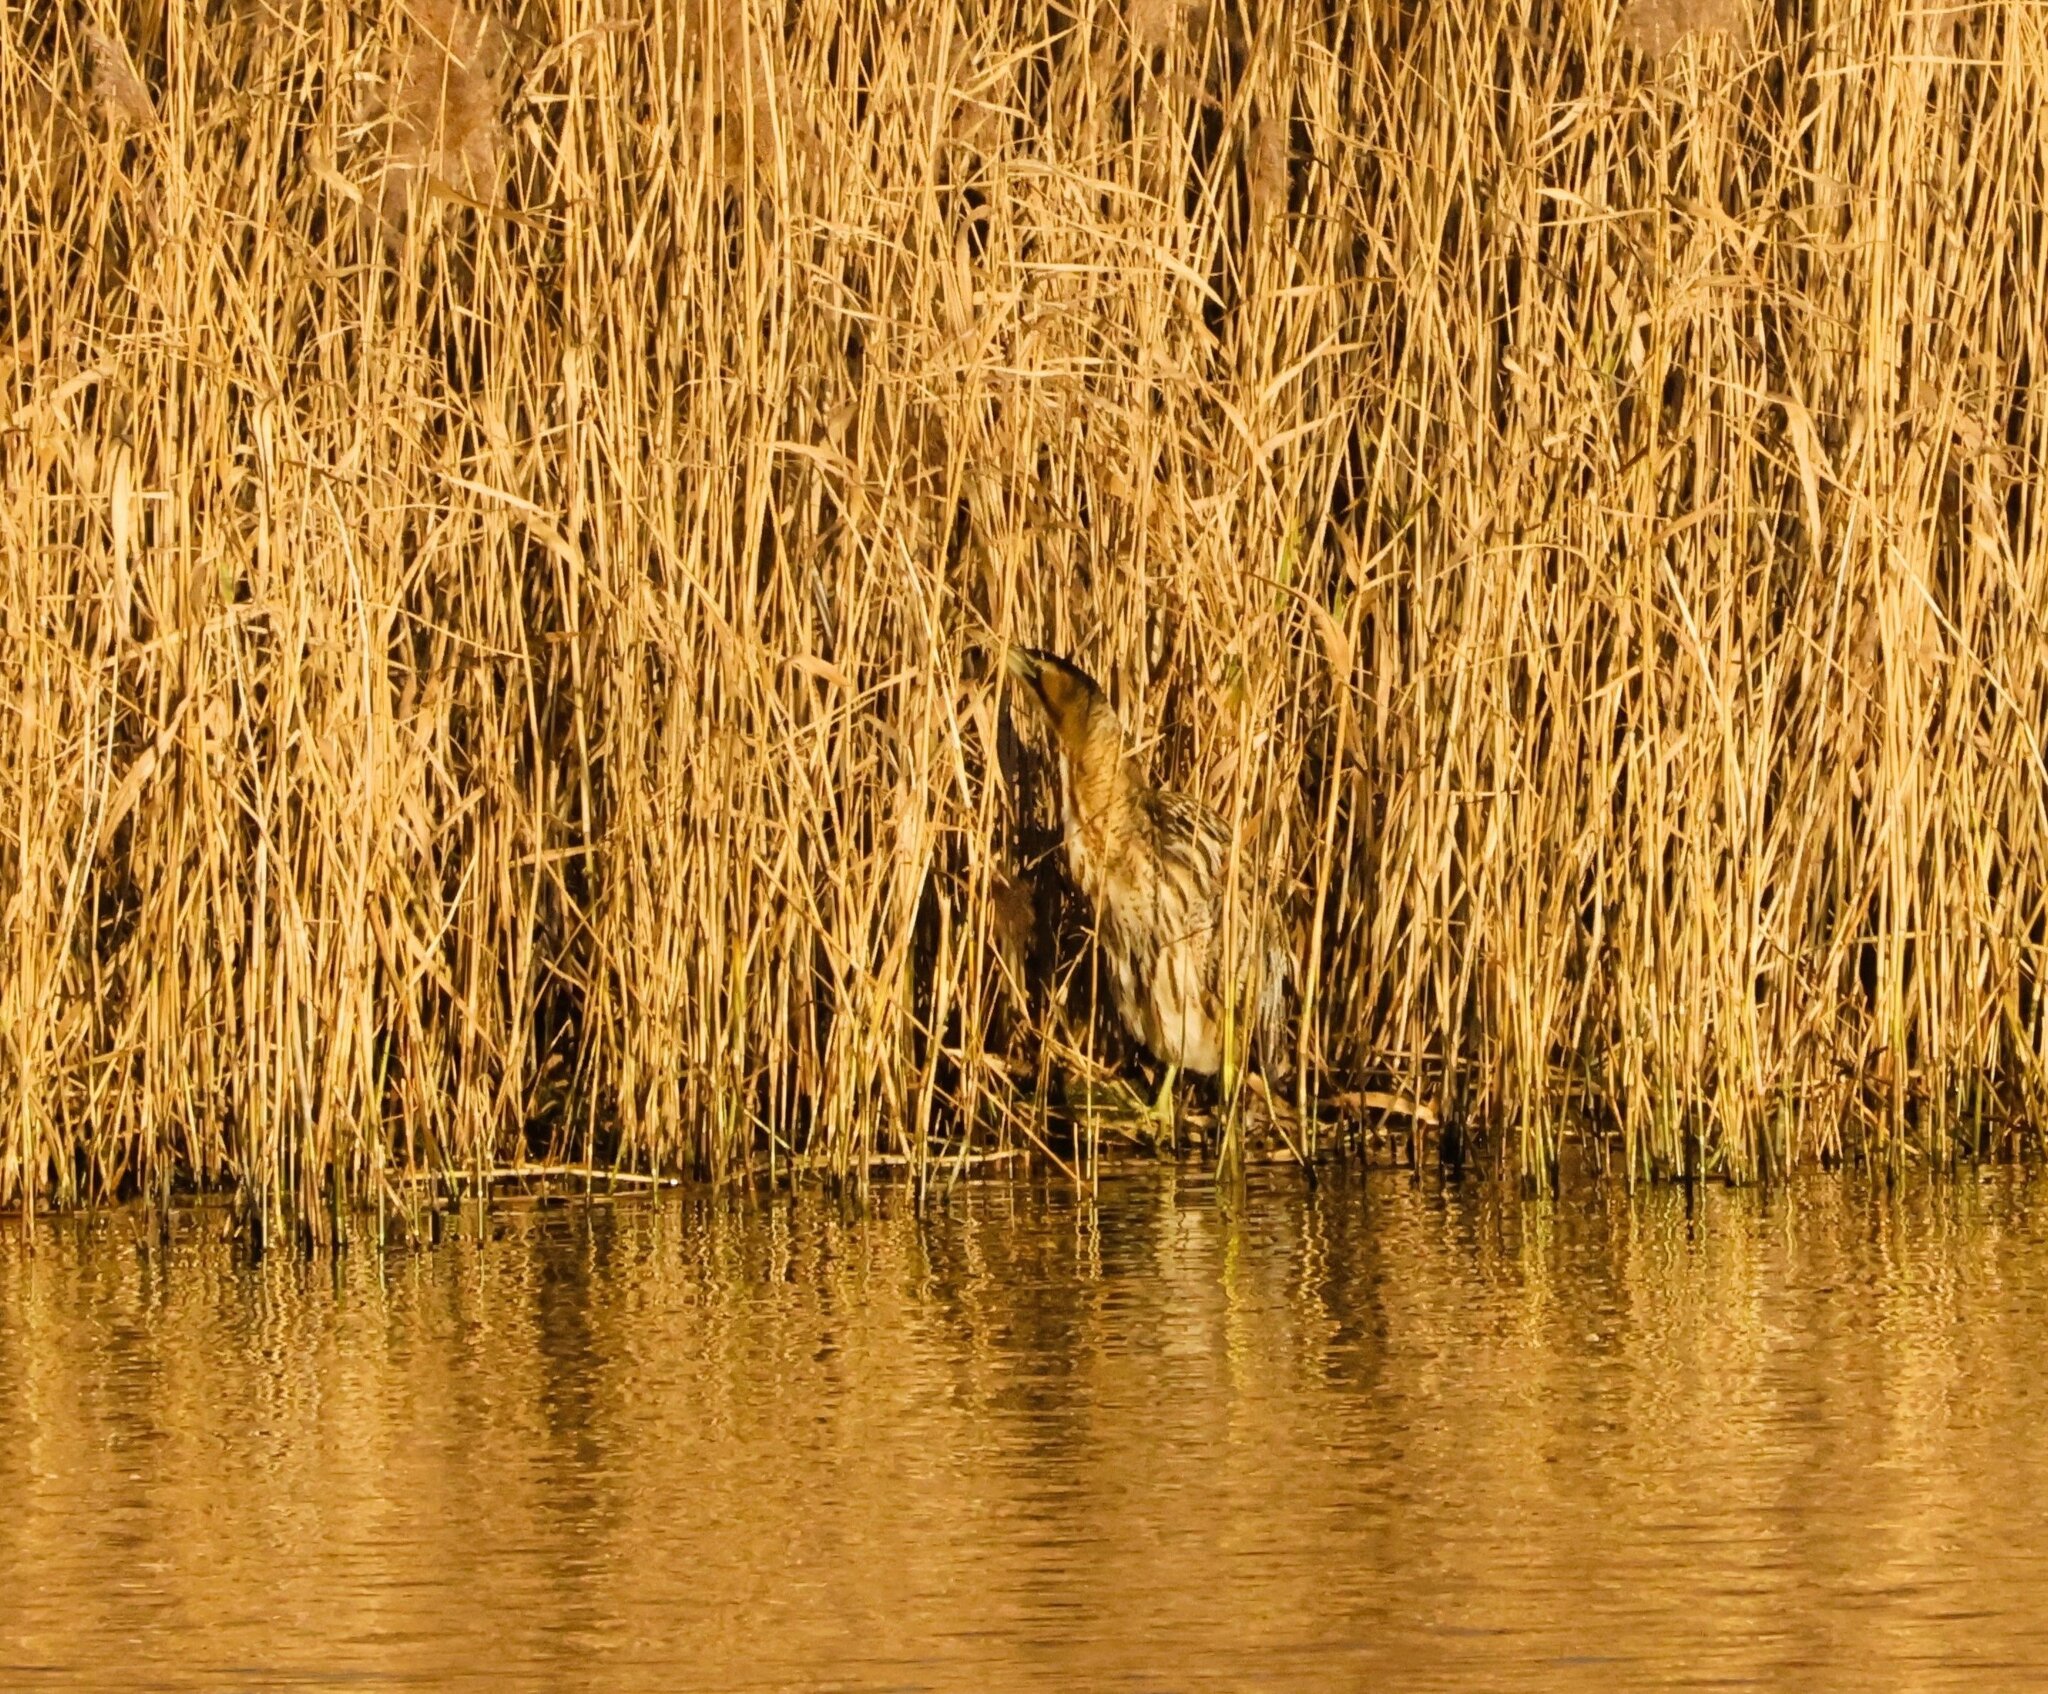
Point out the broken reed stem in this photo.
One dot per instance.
(505, 519)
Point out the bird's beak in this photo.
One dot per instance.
(1022, 664)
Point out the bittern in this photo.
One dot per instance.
(1155, 866)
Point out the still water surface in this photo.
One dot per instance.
(1385, 1435)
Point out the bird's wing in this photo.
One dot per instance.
(1185, 831)
(1192, 846)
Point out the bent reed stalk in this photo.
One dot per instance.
(509, 524)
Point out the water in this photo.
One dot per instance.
(1383, 1435)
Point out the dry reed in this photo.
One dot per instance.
(514, 683)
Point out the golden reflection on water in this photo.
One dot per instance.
(1384, 1434)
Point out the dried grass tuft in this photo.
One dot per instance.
(1266, 167)
(1156, 24)
(438, 109)
(49, 144)
(1656, 27)
(746, 104)
(118, 89)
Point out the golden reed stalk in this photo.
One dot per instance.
(510, 522)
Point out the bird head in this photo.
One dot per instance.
(1072, 704)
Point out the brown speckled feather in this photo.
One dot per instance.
(1154, 866)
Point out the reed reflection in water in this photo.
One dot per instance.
(1384, 1433)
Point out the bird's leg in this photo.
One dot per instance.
(1162, 1107)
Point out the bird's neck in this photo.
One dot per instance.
(1101, 785)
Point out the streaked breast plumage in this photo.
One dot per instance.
(1155, 868)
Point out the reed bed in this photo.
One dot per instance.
(508, 521)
